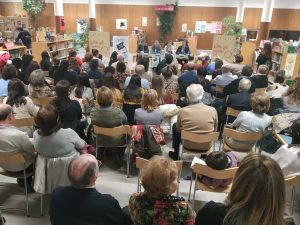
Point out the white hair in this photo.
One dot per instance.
(244, 85)
(194, 93)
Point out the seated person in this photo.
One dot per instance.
(169, 48)
(38, 88)
(105, 115)
(251, 121)
(170, 81)
(217, 71)
(62, 73)
(186, 79)
(188, 119)
(143, 47)
(202, 72)
(191, 59)
(159, 179)
(279, 88)
(237, 66)
(156, 48)
(241, 101)
(226, 77)
(81, 203)
(258, 177)
(149, 113)
(15, 141)
(261, 78)
(219, 161)
(9, 72)
(140, 71)
(291, 99)
(94, 72)
(73, 53)
(167, 61)
(183, 49)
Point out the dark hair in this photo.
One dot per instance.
(114, 55)
(45, 55)
(108, 81)
(9, 72)
(88, 57)
(296, 131)
(238, 58)
(280, 76)
(191, 57)
(16, 93)
(78, 92)
(133, 90)
(121, 67)
(5, 112)
(95, 52)
(94, 63)
(26, 59)
(34, 65)
(217, 160)
(17, 62)
(169, 58)
(218, 64)
(167, 72)
(56, 61)
(267, 49)
(144, 62)
(100, 56)
(247, 71)
(63, 66)
(72, 54)
(202, 71)
(47, 120)
(62, 88)
(83, 80)
(110, 69)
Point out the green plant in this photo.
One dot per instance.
(166, 19)
(85, 28)
(33, 7)
(231, 27)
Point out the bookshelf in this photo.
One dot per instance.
(62, 47)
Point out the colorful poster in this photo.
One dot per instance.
(100, 40)
(224, 47)
(120, 45)
(184, 27)
(121, 24)
(216, 27)
(208, 27)
(144, 21)
(200, 27)
(290, 65)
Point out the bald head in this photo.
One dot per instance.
(139, 70)
(5, 111)
(83, 171)
(120, 57)
(191, 65)
(226, 68)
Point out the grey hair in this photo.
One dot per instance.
(226, 68)
(139, 69)
(263, 69)
(244, 84)
(37, 78)
(5, 110)
(194, 93)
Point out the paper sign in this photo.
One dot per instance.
(184, 27)
(208, 27)
(100, 40)
(144, 21)
(200, 27)
(121, 24)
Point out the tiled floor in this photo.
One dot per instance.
(109, 181)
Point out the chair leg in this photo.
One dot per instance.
(97, 147)
(26, 192)
(293, 200)
(128, 160)
(138, 183)
(42, 204)
(193, 204)
(191, 182)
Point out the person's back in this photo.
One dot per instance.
(226, 77)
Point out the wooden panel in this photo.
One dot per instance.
(73, 12)
(285, 19)
(252, 18)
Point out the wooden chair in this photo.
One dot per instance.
(46, 73)
(205, 170)
(23, 122)
(292, 181)
(111, 132)
(140, 162)
(260, 90)
(239, 136)
(279, 138)
(219, 92)
(16, 159)
(42, 101)
(198, 138)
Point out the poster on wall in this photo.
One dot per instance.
(121, 24)
(184, 28)
(216, 27)
(100, 40)
(144, 21)
(157, 21)
(200, 27)
(290, 65)
(224, 47)
(120, 45)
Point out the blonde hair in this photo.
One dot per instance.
(149, 100)
(104, 96)
(257, 195)
(157, 176)
(158, 86)
(293, 93)
(260, 103)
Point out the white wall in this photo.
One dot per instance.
(288, 4)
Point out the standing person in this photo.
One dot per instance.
(45, 63)
(265, 57)
(81, 203)
(25, 37)
(257, 196)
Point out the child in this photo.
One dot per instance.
(219, 161)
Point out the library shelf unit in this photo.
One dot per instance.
(279, 61)
(62, 47)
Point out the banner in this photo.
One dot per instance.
(100, 40)
(168, 8)
(120, 45)
(224, 47)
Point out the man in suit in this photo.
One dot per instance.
(197, 118)
(187, 78)
(183, 49)
(81, 203)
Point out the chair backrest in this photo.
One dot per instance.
(42, 101)
(292, 181)
(118, 105)
(23, 122)
(242, 136)
(215, 174)
(16, 158)
(46, 73)
(140, 162)
(112, 131)
(219, 89)
(260, 90)
(199, 138)
(232, 112)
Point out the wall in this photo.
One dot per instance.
(106, 15)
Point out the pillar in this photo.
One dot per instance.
(240, 11)
(58, 12)
(266, 18)
(92, 15)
